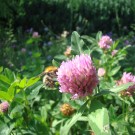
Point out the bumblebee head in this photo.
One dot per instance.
(50, 69)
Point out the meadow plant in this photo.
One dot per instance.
(126, 78)
(70, 99)
(67, 52)
(4, 107)
(23, 50)
(35, 34)
(77, 76)
(105, 42)
(114, 52)
(64, 34)
(101, 72)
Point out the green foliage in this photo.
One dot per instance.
(98, 119)
(120, 88)
(76, 43)
(35, 108)
(96, 14)
(65, 129)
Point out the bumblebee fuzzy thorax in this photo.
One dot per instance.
(49, 78)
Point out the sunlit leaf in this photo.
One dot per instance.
(9, 74)
(32, 81)
(34, 92)
(23, 82)
(115, 44)
(55, 63)
(16, 109)
(114, 71)
(4, 129)
(29, 41)
(5, 96)
(99, 35)
(12, 88)
(5, 79)
(60, 57)
(121, 87)
(103, 92)
(99, 119)
(76, 43)
(1, 69)
(89, 39)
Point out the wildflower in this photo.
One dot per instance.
(35, 35)
(114, 52)
(66, 109)
(4, 107)
(64, 34)
(77, 76)
(101, 72)
(127, 77)
(49, 43)
(127, 42)
(68, 51)
(105, 42)
(23, 50)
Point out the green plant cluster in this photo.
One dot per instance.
(35, 108)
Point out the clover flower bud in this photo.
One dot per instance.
(67, 52)
(66, 109)
(101, 72)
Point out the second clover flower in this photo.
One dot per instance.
(78, 76)
(4, 107)
(105, 42)
(126, 78)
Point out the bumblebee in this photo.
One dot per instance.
(49, 78)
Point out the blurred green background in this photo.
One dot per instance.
(49, 18)
(88, 15)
